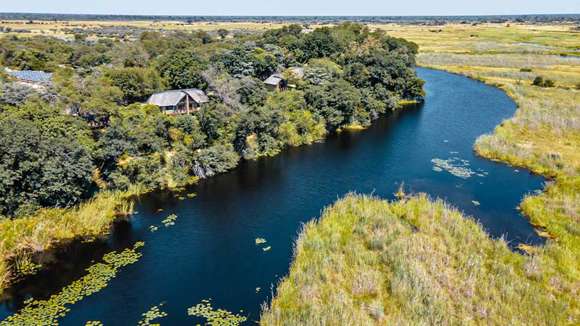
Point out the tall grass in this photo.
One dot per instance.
(413, 262)
(544, 134)
(21, 238)
(417, 262)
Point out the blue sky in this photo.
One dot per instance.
(293, 7)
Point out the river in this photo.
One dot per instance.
(211, 253)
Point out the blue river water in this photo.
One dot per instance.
(211, 253)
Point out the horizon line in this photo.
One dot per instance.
(287, 16)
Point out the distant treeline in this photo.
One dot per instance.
(304, 19)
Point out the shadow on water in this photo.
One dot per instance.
(211, 251)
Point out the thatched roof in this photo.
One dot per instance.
(167, 98)
(274, 80)
(197, 95)
(173, 97)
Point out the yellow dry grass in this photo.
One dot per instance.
(60, 28)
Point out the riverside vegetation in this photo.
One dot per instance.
(414, 262)
(418, 261)
(64, 176)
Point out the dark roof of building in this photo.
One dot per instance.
(173, 97)
(31, 75)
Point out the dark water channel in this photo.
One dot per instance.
(211, 253)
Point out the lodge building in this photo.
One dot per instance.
(182, 101)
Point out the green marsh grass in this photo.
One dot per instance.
(21, 238)
(414, 262)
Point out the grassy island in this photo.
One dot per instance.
(419, 262)
(412, 262)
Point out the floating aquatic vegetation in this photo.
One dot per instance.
(267, 248)
(153, 228)
(191, 195)
(258, 289)
(475, 202)
(260, 241)
(47, 312)
(159, 210)
(25, 266)
(94, 323)
(169, 220)
(457, 167)
(153, 313)
(215, 317)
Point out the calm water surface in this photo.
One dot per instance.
(210, 252)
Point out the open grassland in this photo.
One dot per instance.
(414, 262)
(21, 239)
(66, 29)
(419, 262)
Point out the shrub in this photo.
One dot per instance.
(541, 82)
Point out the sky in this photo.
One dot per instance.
(294, 7)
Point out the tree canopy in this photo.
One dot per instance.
(89, 130)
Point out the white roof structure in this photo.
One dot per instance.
(173, 97)
(168, 98)
(197, 95)
(274, 80)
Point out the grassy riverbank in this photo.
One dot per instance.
(415, 261)
(22, 238)
(544, 134)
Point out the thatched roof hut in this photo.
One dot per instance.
(179, 101)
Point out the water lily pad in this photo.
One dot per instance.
(215, 316)
(169, 220)
(455, 166)
(47, 312)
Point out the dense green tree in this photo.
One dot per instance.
(351, 76)
(318, 44)
(40, 166)
(257, 133)
(213, 160)
(137, 84)
(337, 102)
(182, 68)
(319, 71)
